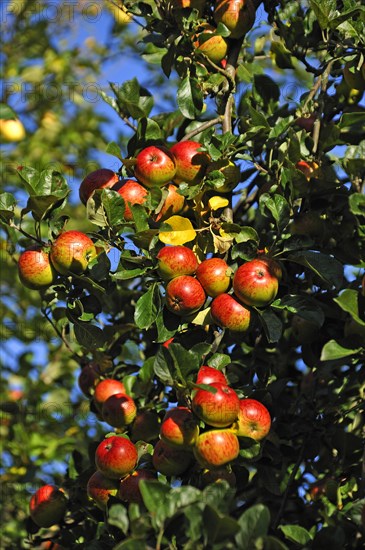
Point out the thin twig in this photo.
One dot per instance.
(59, 334)
(202, 127)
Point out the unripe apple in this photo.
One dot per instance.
(173, 261)
(230, 314)
(116, 457)
(132, 193)
(219, 409)
(215, 448)
(172, 205)
(47, 506)
(11, 130)
(191, 164)
(230, 171)
(99, 488)
(35, 269)
(210, 375)
(179, 428)
(129, 490)
(184, 295)
(169, 461)
(214, 276)
(155, 166)
(253, 421)
(146, 426)
(212, 45)
(237, 15)
(103, 178)
(119, 410)
(71, 252)
(89, 377)
(104, 389)
(255, 283)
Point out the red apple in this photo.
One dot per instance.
(212, 45)
(184, 295)
(173, 261)
(306, 122)
(99, 179)
(253, 421)
(309, 168)
(35, 269)
(71, 252)
(210, 375)
(146, 426)
(191, 163)
(119, 410)
(230, 314)
(255, 283)
(105, 388)
(89, 377)
(172, 205)
(214, 276)
(132, 193)
(179, 428)
(99, 488)
(116, 457)
(169, 461)
(47, 506)
(155, 166)
(237, 15)
(216, 448)
(129, 486)
(219, 409)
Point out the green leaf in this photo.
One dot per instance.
(127, 274)
(155, 496)
(324, 266)
(161, 368)
(190, 98)
(30, 176)
(253, 523)
(296, 533)
(113, 149)
(7, 205)
(148, 307)
(258, 119)
(6, 112)
(272, 325)
(132, 99)
(348, 301)
(357, 204)
(278, 207)
(332, 351)
(148, 129)
(185, 361)
(324, 10)
(87, 335)
(304, 306)
(219, 360)
(118, 517)
(218, 527)
(106, 208)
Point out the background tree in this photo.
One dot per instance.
(282, 104)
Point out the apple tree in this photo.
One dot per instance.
(204, 311)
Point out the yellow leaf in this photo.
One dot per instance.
(217, 202)
(180, 231)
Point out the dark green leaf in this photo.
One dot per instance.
(304, 306)
(296, 533)
(253, 523)
(148, 307)
(326, 267)
(278, 207)
(218, 527)
(89, 336)
(118, 517)
(324, 10)
(272, 325)
(162, 368)
(190, 97)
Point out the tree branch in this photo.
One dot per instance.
(202, 127)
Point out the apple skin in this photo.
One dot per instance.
(172, 205)
(116, 457)
(306, 122)
(191, 164)
(35, 269)
(47, 506)
(253, 421)
(214, 276)
(88, 378)
(132, 193)
(169, 461)
(218, 409)
(215, 47)
(210, 375)
(104, 389)
(146, 426)
(179, 428)
(71, 252)
(129, 486)
(229, 313)
(308, 168)
(255, 282)
(11, 130)
(103, 178)
(173, 261)
(215, 448)
(184, 295)
(99, 488)
(155, 166)
(237, 15)
(119, 410)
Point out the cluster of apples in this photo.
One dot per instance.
(255, 283)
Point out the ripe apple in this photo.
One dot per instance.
(11, 130)
(214, 276)
(219, 409)
(129, 486)
(103, 178)
(89, 377)
(155, 166)
(169, 461)
(132, 193)
(212, 45)
(71, 252)
(146, 426)
(184, 295)
(237, 15)
(230, 314)
(35, 269)
(116, 457)
(47, 506)
(230, 171)
(119, 410)
(307, 122)
(104, 389)
(173, 261)
(191, 163)
(210, 375)
(99, 488)
(253, 421)
(216, 448)
(179, 428)
(172, 205)
(309, 168)
(255, 283)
